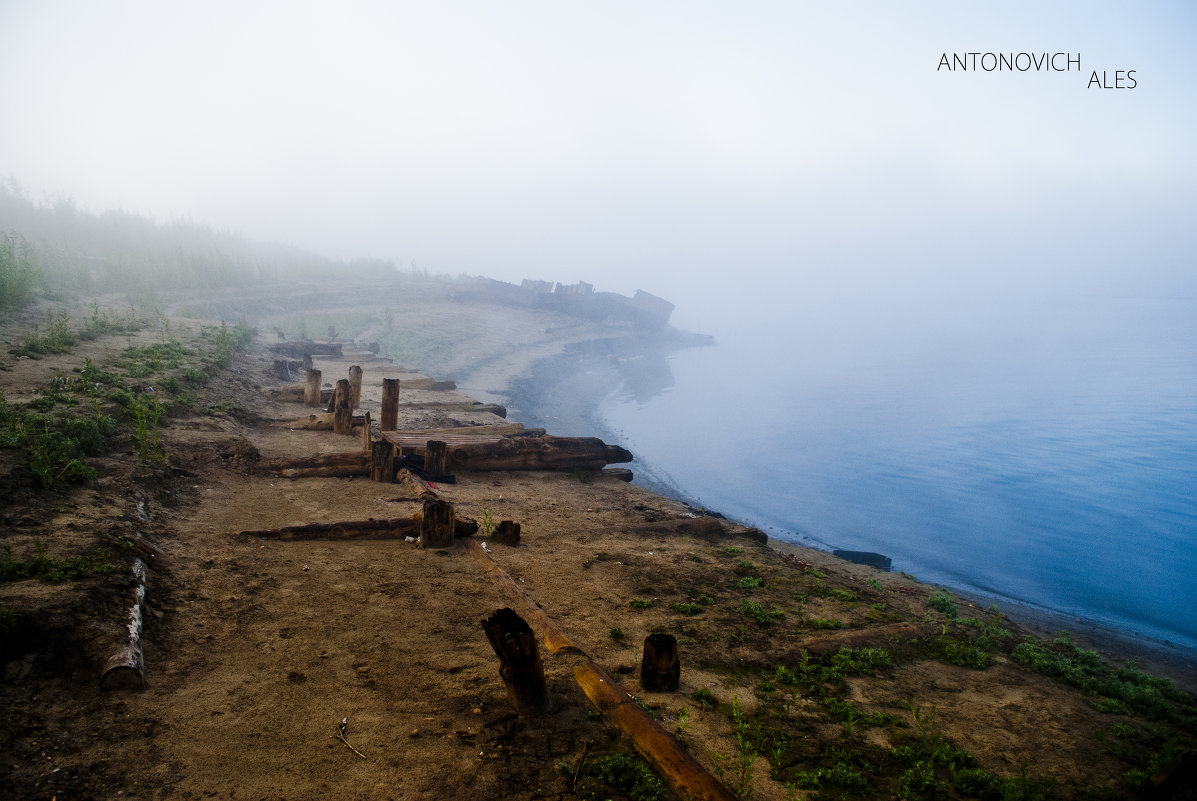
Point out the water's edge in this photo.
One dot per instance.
(565, 394)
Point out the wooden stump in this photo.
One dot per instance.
(519, 661)
(367, 434)
(437, 524)
(307, 362)
(660, 669)
(436, 454)
(355, 385)
(382, 462)
(390, 404)
(342, 412)
(311, 391)
(507, 533)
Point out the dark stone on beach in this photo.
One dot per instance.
(879, 561)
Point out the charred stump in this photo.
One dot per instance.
(390, 405)
(437, 524)
(436, 454)
(660, 669)
(382, 462)
(519, 661)
(507, 533)
(311, 391)
(342, 410)
(355, 386)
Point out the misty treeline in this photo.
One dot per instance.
(51, 248)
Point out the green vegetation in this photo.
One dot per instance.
(686, 607)
(736, 771)
(18, 276)
(58, 337)
(763, 617)
(640, 603)
(941, 602)
(42, 568)
(749, 583)
(619, 774)
(1124, 687)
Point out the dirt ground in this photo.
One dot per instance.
(256, 649)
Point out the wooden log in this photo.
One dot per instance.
(435, 453)
(554, 639)
(620, 473)
(299, 348)
(342, 408)
(437, 524)
(374, 528)
(506, 533)
(321, 422)
(367, 434)
(355, 386)
(382, 462)
(283, 369)
(311, 390)
(332, 465)
(390, 404)
(493, 408)
(125, 669)
(423, 490)
(682, 772)
(537, 453)
(660, 668)
(307, 362)
(519, 662)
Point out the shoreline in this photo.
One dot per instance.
(564, 392)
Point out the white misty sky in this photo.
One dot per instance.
(663, 145)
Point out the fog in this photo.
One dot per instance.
(675, 147)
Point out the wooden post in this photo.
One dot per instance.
(342, 413)
(519, 661)
(390, 404)
(311, 392)
(307, 362)
(332, 333)
(382, 462)
(660, 669)
(507, 533)
(355, 384)
(435, 454)
(437, 524)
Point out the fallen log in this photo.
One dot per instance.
(688, 778)
(430, 384)
(320, 422)
(621, 473)
(694, 526)
(297, 349)
(493, 408)
(125, 670)
(372, 529)
(423, 490)
(537, 453)
(554, 639)
(330, 465)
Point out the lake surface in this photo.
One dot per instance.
(1047, 456)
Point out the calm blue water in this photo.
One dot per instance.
(1047, 457)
